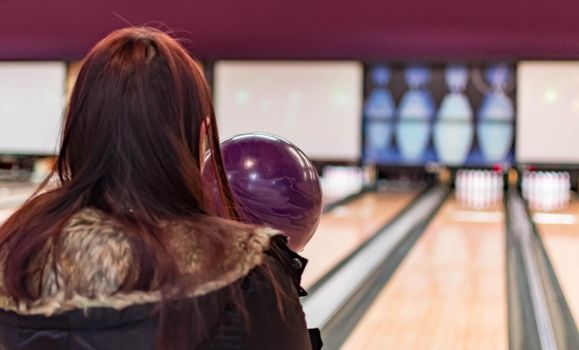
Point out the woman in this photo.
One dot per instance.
(124, 252)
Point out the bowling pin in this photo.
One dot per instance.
(501, 187)
(491, 197)
(453, 130)
(467, 188)
(559, 190)
(529, 188)
(535, 190)
(484, 191)
(489, 189)
(471, 189)
(564, 190)
(540, 188)
(474, 182)
(544, 190)
(496, 114)
(525, 185)
(568, 187)
(415, 112)
(496, 188)
(549, 191)
(568, 191)
(483, 187)
(479, 189)
(459, 187)
(553, 190)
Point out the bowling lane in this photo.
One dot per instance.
(12, 195)
(15, 193)
(4, 214)
(448, 293)
(560, 235)
(343, 229)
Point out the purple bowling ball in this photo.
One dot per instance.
(273, 183)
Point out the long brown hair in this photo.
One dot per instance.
(131, 148)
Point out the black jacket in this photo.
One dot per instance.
(135, 327)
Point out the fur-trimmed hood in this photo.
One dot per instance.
(95, 258)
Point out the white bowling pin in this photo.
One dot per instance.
(549, 191)
(557, 192)
(485, 189)
(568, 193)
(532, 189)
(468, 187)
(458, 187)
(479, 189)
(525, 185)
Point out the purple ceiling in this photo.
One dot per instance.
(373, 29)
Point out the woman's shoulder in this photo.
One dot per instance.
(246, 249)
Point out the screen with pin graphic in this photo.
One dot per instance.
(454, 114)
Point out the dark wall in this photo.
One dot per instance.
(373, 29)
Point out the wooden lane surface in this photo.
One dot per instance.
(4, 214)
(448, 293)
(15, 193)
(560, 236)
(343, 229)
(11, 193)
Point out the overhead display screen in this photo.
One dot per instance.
(32, 100)
(316, 105)
(548, 125)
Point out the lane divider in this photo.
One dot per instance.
(322, 305)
